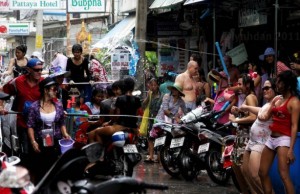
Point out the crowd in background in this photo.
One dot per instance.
(263, 100)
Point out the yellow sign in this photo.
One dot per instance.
(38, 41)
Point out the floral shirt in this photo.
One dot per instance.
(168, 104)
(35, 121)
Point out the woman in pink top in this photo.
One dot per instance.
(285, 110)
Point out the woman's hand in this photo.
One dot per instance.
(232, 118)
(275, 99)
(36, 147)
(67, 136)
(290, 157)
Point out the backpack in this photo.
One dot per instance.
(97, 71)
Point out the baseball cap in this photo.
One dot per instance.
(33, 62)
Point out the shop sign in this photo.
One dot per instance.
(4, 6)
(249, 15)
(238, 54)
(85, 6)
(14, 29)
(171, 55)
(34, 4)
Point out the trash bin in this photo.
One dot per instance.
(65, 145)
(294, 171)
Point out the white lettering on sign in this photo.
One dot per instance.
(34, 4)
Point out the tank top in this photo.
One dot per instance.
(18, 70)
(281, 119)
(48, 118)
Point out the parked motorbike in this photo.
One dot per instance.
(168, 151)
(213, 143)
(171, 140)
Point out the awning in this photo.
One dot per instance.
(192, 1)
(119, 32)
(161, 4)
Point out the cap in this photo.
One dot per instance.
(38, 55)
(48, 81)
(33, 62)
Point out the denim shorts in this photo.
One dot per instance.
(274, 142)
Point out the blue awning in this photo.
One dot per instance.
(162, 4)
(119, 32)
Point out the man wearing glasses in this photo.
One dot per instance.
(25, 88)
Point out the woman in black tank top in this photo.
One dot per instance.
(16, 65)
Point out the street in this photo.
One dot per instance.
(154, 173)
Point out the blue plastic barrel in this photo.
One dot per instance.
(294, 171)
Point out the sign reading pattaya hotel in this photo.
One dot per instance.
(85, 6)
(34, 4)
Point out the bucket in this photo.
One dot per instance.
(65, 145)
(294, 171)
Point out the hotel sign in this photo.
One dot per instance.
(86, 6)
(34, 4)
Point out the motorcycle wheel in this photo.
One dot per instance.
(166, 161)
(215, 169)
(188, 166)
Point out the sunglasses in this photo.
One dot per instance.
(269, 56)
(266, 88)
(37, 70)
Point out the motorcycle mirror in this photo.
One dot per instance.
(93, 151)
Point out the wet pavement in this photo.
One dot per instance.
(154, 173)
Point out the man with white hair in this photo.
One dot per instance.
(185, 80)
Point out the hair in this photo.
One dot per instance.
(22, 48)
(289, 79)
(76, 47)
(97, 91)
(153, 80)
(196, 57)
(248, 80)
(109, 91)
(129, 84)
(273, 83)
(202, 74)
(119, 84)
(228, 57)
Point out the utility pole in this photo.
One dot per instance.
(140, 34)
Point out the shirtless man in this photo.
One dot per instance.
(232, 70)
(185, 80)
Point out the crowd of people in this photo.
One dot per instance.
(264, 102)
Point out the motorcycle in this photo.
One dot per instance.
(171, 140)
(119, 156)
(66, 176)
(213, 144)
(168, 149)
